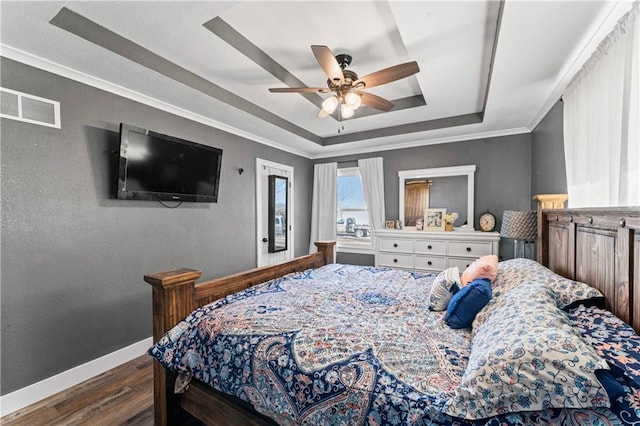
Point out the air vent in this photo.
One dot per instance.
(28, 108)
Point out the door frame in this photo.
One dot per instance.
(261, 201)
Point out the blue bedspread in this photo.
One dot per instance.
(338, 345)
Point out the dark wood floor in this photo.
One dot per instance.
(122, 396)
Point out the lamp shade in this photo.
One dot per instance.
(519, 225)
(329, 105)
(346, 111)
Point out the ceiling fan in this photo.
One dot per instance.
(347, 87)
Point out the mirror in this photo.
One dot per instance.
(278, 199)
(444, 187)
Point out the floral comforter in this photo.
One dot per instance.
(616, 342)
(341, 344)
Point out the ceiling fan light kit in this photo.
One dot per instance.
(346, 86)
(329, 105)
(353, 100)
(346, 111)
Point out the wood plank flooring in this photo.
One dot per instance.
(121, 396)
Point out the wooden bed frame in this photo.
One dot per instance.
(598, 246)
(175, 295)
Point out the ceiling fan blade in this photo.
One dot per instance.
(375, 101)
(328, 62)
(300, 90)
(388, 75)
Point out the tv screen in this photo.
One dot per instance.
(158, 167)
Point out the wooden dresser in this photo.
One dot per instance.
(432, 251)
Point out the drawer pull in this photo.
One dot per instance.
(395, 244)
(395, 260)
(469, 249)
(429, 247)
(429, 263)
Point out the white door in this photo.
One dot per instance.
(264, 169)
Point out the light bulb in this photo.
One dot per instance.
(353, 100)
(347, 111)
(329, 105)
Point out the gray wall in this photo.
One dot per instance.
(73, 257)
(502, 178)
(548, 170)
(355, 259)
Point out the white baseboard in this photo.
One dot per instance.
(31, 394)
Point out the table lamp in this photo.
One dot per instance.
(521, 226)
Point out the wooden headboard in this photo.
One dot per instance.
(600, 247)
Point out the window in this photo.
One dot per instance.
(352, 227)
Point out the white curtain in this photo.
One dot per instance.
(602, 122)
(323, 204)
(372, 175)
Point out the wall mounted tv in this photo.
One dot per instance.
(158, 167)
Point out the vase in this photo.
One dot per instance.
(448, 226)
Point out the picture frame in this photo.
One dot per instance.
(419, 224)
(390, 224)
(434, 219)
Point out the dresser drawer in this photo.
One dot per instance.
(469, 249)
(395, 260)
(395, 245)
(431, 247)
(436, 263)
(461, 262)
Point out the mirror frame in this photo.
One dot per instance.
(272, 214)
(469, 171)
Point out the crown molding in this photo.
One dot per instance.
(436, 141)
(61, 70)
(335, 150)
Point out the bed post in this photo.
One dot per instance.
(545, 202)
(172, 301)
(328, 249)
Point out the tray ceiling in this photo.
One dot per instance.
(487, 68)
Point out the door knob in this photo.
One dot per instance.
(265, 240)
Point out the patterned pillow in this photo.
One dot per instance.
(465, 304)
(445, 285)
(484, 267)
(512, 273)
(527, 357)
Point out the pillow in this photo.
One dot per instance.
(445, 285)
(568, 293)
(527, 357)
(466, 303)
(515, 272)
(484, 267)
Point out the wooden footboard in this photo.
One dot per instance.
(175, 295)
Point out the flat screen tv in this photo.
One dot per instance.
(158, 167)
